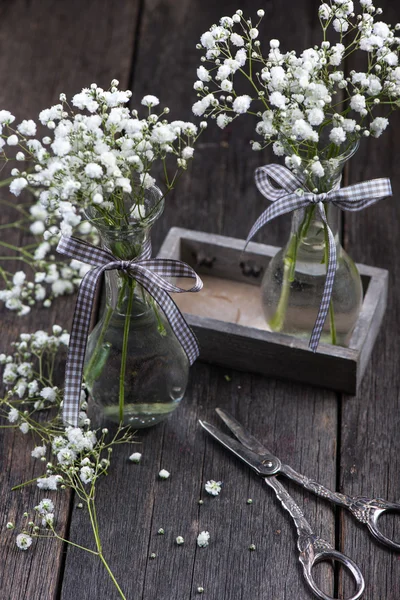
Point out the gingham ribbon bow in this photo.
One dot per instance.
(150, 274)
(291, 195)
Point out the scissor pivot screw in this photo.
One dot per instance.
(269, 464)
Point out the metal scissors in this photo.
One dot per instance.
(312, 548)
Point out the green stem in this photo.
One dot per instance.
(115, 582)
(99, 343)
(125, 349)
(289, 265)
(6, 182)
(289, 262)
(93, 521)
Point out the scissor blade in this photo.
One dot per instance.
(252, 459)
(242, 434)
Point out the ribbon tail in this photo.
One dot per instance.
(329, 280)
(181, 329)
(77, 346)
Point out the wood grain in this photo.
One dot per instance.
(217, 195)
(47, 47)
(370, 425)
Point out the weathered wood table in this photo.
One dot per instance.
(348, 443)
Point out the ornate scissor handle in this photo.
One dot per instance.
(369, 511)
(316, 550)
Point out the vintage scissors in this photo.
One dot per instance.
(312, 548)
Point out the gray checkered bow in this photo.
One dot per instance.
(150, 273)
(291, 194)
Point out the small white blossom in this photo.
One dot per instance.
(203, 74)
(6, 117)
(150, 101)
(163, 474)
(13, 415)
(278, 99)
(86, 474)
(17, 185)
(337, 135)
(49, 394)
(24, 427)
(135, 457)
(179, 540)
(23, 541)
(213, 487)
(357, 102)
(378, 126)
(38, 452)
(317, 169)
(203, 539)
(237, 40)
(241, 104)
(27, 127)
(12, 140)
(45, 506)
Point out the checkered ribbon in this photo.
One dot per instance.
(289, 194)
(150, 274)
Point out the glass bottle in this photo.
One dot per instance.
(136, 370)
(294, 280)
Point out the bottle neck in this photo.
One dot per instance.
(308, 225)
(124, 295)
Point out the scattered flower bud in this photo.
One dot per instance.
(163, 474)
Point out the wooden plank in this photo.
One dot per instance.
(218, 195)
(48, 47)
(369, 457)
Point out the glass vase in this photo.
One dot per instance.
(136, 371)
(293, 283)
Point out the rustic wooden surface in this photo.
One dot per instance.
(350, 443)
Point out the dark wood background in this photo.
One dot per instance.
(348, 443)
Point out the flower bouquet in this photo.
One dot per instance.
(93, 169)
(314, 115)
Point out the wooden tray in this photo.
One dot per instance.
(227, 317)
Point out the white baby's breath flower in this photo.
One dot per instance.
(179, 540)
(357, 102)
(17, 185)
(27, 127)
(38, 452)
(23, 541)
(86, 474)
(324, 11)
(213, 487)
(317, 169)
(164, 474)
(223, 120)
(24, 427)
(49, 394)
(93, 170)
(6, 117)
(241, 104)
(237, 40)
(278, 99)
(337, 135)
(13, 415)
(203, 539)
(203, 74)
(378, 126)
(45, 506)
(150, 101)
(135, 457)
